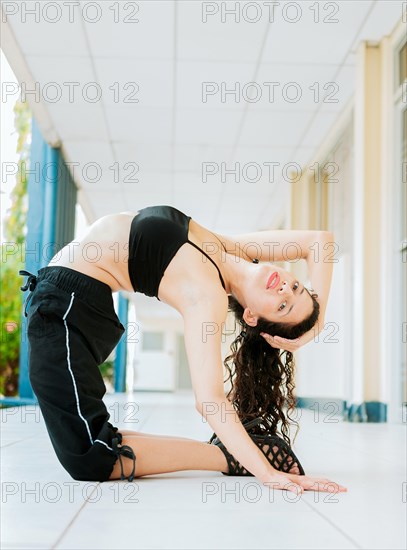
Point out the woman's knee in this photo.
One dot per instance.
(81, 470)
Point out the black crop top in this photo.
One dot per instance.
(156, 234)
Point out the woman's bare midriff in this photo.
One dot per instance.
(102, 253)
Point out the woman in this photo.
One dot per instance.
(160, 251)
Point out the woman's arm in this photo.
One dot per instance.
(320, 260)
(203, 323)
(276, 245)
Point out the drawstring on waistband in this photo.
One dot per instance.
(29, 285)
(124, 450)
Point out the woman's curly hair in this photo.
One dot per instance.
(258, 372)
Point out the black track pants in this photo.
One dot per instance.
(72, 328)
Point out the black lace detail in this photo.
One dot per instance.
(274, 448)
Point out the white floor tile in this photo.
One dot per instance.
(203, 509)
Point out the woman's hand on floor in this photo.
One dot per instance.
(298, 484)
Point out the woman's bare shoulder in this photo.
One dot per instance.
(206, 308)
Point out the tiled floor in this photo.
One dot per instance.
(43, 507)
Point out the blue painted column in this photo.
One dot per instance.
(50, 225)
(42, 198)
(121, 350)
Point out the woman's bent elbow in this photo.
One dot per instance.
(209, 405)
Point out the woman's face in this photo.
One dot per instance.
(276, 295)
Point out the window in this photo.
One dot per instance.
(402, 64)
(153, 341)
(399, 213)
(404, 175)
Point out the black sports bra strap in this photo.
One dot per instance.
(200, 249)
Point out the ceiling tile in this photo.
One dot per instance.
(382, 19)
(79, 123)
(150, 157)
(274, 129)
(291, 86)
(201, 36)
(207, 126)
(143, 124)
(212, 84)
(314, 32)
(168, 136)
(137, 83)
(318, 128)
(201, 158)
(133, 30)
(49, 23)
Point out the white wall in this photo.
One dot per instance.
(156, 370)
(322, 365)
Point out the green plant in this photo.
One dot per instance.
(107, 369)
(12, 259)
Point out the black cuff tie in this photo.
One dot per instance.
(29, 285)
(124, 450)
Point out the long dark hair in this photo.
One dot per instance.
(258, 372)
